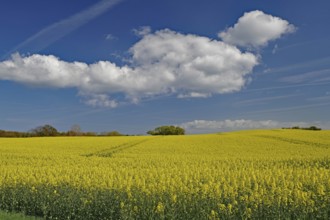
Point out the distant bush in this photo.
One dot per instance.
(111, 133)
(88, 133)
(312, 128)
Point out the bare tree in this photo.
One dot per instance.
(75, 130)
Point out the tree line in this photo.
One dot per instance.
(311, 128)
(50, 131)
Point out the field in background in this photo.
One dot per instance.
(249, 174)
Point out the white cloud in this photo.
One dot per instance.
(230, 124)
(110, 37)
(204, 126)
(255, 29)
(194, 95)
(142, 31)
(98, 100)
(161, 63)
(275, 49)
(45, 71)
(191, 63)
(165, 62)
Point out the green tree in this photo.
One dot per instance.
(46, 130)
(313, 128)
(167, 130)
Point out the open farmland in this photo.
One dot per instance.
(249, 174)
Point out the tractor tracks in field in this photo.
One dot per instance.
(116, 149)
(295, 141)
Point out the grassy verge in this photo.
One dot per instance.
(16, 216)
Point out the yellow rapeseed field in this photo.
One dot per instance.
(272, 174)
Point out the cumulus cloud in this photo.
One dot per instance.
(202, 126)
(164, 62)
(255, 29)
(43, 71)
(190, 63)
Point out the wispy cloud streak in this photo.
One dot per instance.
(319, 75)
(264, 100)
(298, 66)
(286, 87)
(58, 30)
(287, 109)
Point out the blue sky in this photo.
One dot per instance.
(130, 66)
